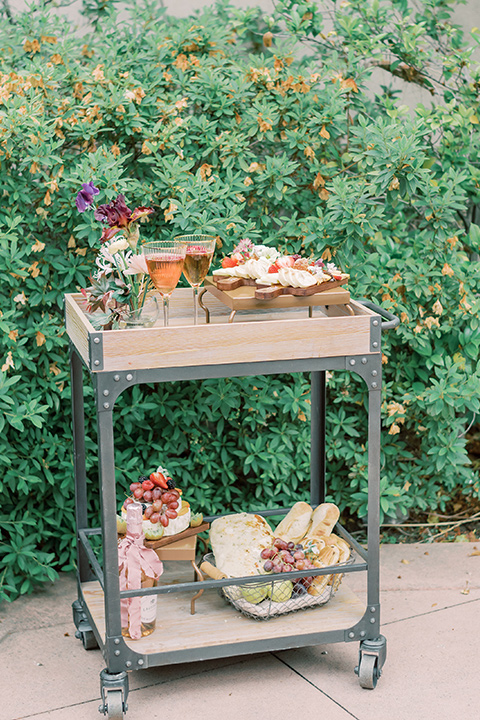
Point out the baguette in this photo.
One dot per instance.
(324, 519)
(328, 556)
(295, 524)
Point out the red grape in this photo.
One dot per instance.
(157, 505)
(268, 565)
(168, 497)
(173, 505)
(164, 520)
(267, 553)
(156, 493)
(147, 496)
(154, 517)
(172, 514)
(280, 544)
(138, 493)
(290, 545)
(299, 555)
(149, 512)
(277, 568)
(134, 486)
(289, 558)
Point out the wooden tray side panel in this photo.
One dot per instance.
(236, 342)
(77, 325)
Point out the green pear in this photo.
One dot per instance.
(121, 525)
(255, 593)
(281, 591)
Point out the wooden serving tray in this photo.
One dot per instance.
(244, 294)
(269, 329)
(270, 292)
(154, 544)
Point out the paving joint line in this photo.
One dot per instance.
(130, 692)
(431, 612)
(297, 672)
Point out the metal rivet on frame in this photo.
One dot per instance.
(106, 393)
(129, 377)
(352, 362)
(363, 633)
(374, 385)
(106, 405)
(128, 663)
(96, 340)
(374, 373)
(375, 344)
(117, 641)
(117, 652)
(372, 609)
(364, 361)
(96, 362)
(140, 661)
(351, 634)
(116, 378)
(375, 322)
(372, 620)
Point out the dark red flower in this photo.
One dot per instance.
(115, 213)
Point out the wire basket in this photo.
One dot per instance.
(272, 598)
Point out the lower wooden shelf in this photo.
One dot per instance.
(216, 621)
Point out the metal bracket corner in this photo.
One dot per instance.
(95, 351)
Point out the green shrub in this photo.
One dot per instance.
(223, 125)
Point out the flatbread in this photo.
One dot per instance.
(294, 525)
(237, 541)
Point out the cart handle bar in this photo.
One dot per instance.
(392, 319)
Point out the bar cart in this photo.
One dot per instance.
(275, 339)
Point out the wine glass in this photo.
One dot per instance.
(199, 251)
(165, 264)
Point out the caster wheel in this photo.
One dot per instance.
(114, 705)
(368, 671)
(88, 640)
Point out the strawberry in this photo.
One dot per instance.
(273, 268)
(157, 478)
(148, 485)
(229, 262)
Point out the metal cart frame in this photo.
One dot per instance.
(108, 386)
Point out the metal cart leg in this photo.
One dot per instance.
(84, 630)
(373, 649)
(114, 645)
(84, 571)
(317, 457)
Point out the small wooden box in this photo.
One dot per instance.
(271, 334)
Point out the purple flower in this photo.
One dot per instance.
(115, 214)
(85, 196)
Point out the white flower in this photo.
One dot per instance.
(117, 245)
(137, 264)
(263, 251)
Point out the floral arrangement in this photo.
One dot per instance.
(120, 283)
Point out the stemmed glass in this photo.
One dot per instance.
(199, 251)
(165, 264)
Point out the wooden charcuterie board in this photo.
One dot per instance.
(154, 544)
(270, 292)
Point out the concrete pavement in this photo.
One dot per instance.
(430, 616)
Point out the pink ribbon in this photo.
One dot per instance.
(133, 557)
